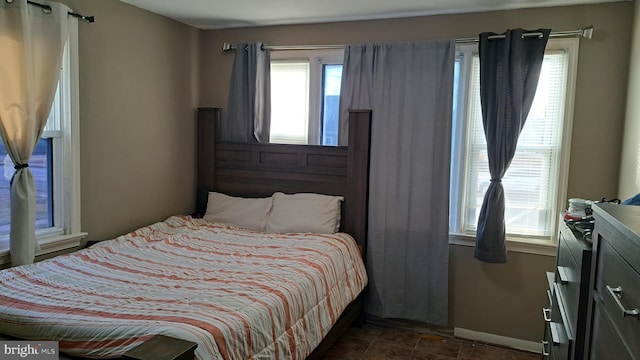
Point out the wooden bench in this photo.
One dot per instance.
(161, 347)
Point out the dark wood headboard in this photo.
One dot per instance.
(259, 170)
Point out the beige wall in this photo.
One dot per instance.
(504, 299)
(499, 299)
(630, 163)
(138, 91)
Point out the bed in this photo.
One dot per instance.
(229, 290)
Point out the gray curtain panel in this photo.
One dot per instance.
(248, 116)
(509, 73)
(409, 87)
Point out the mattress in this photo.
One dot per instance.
(238, 294)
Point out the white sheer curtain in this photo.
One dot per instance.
(409, 87)
(32, 41)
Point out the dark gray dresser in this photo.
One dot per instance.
(566, 315)
(615, 329)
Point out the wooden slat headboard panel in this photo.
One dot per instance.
(259, 170)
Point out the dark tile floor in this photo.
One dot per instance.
(381, 342)
(373, 341)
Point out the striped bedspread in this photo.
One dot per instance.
(238, 294)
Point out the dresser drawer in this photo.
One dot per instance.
(577, 247)
(568, 283)
(546, 342)
(618, 294)
(606, 344)
(553, 312)
(556, 345)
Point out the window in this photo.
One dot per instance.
(536, 180)
(305, 96)
(55, 166)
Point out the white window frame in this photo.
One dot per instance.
(66, 232)
(316, 59)
(514, 243)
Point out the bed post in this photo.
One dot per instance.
(357, 199)
(208, 129)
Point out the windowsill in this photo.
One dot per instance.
(537, 247)
(47, 245)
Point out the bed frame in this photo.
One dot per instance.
(259, 170)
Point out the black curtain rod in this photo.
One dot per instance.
(89, 19)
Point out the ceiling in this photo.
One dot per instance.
(216, 14)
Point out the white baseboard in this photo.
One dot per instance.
(498, 340)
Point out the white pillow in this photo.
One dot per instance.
(246, 213)
(304, 212)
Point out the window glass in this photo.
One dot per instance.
(41, 166)
(331, 103)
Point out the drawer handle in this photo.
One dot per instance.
(546, 314)
(562, 274)
(545, 352)
(555, 337)
(616, 294)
